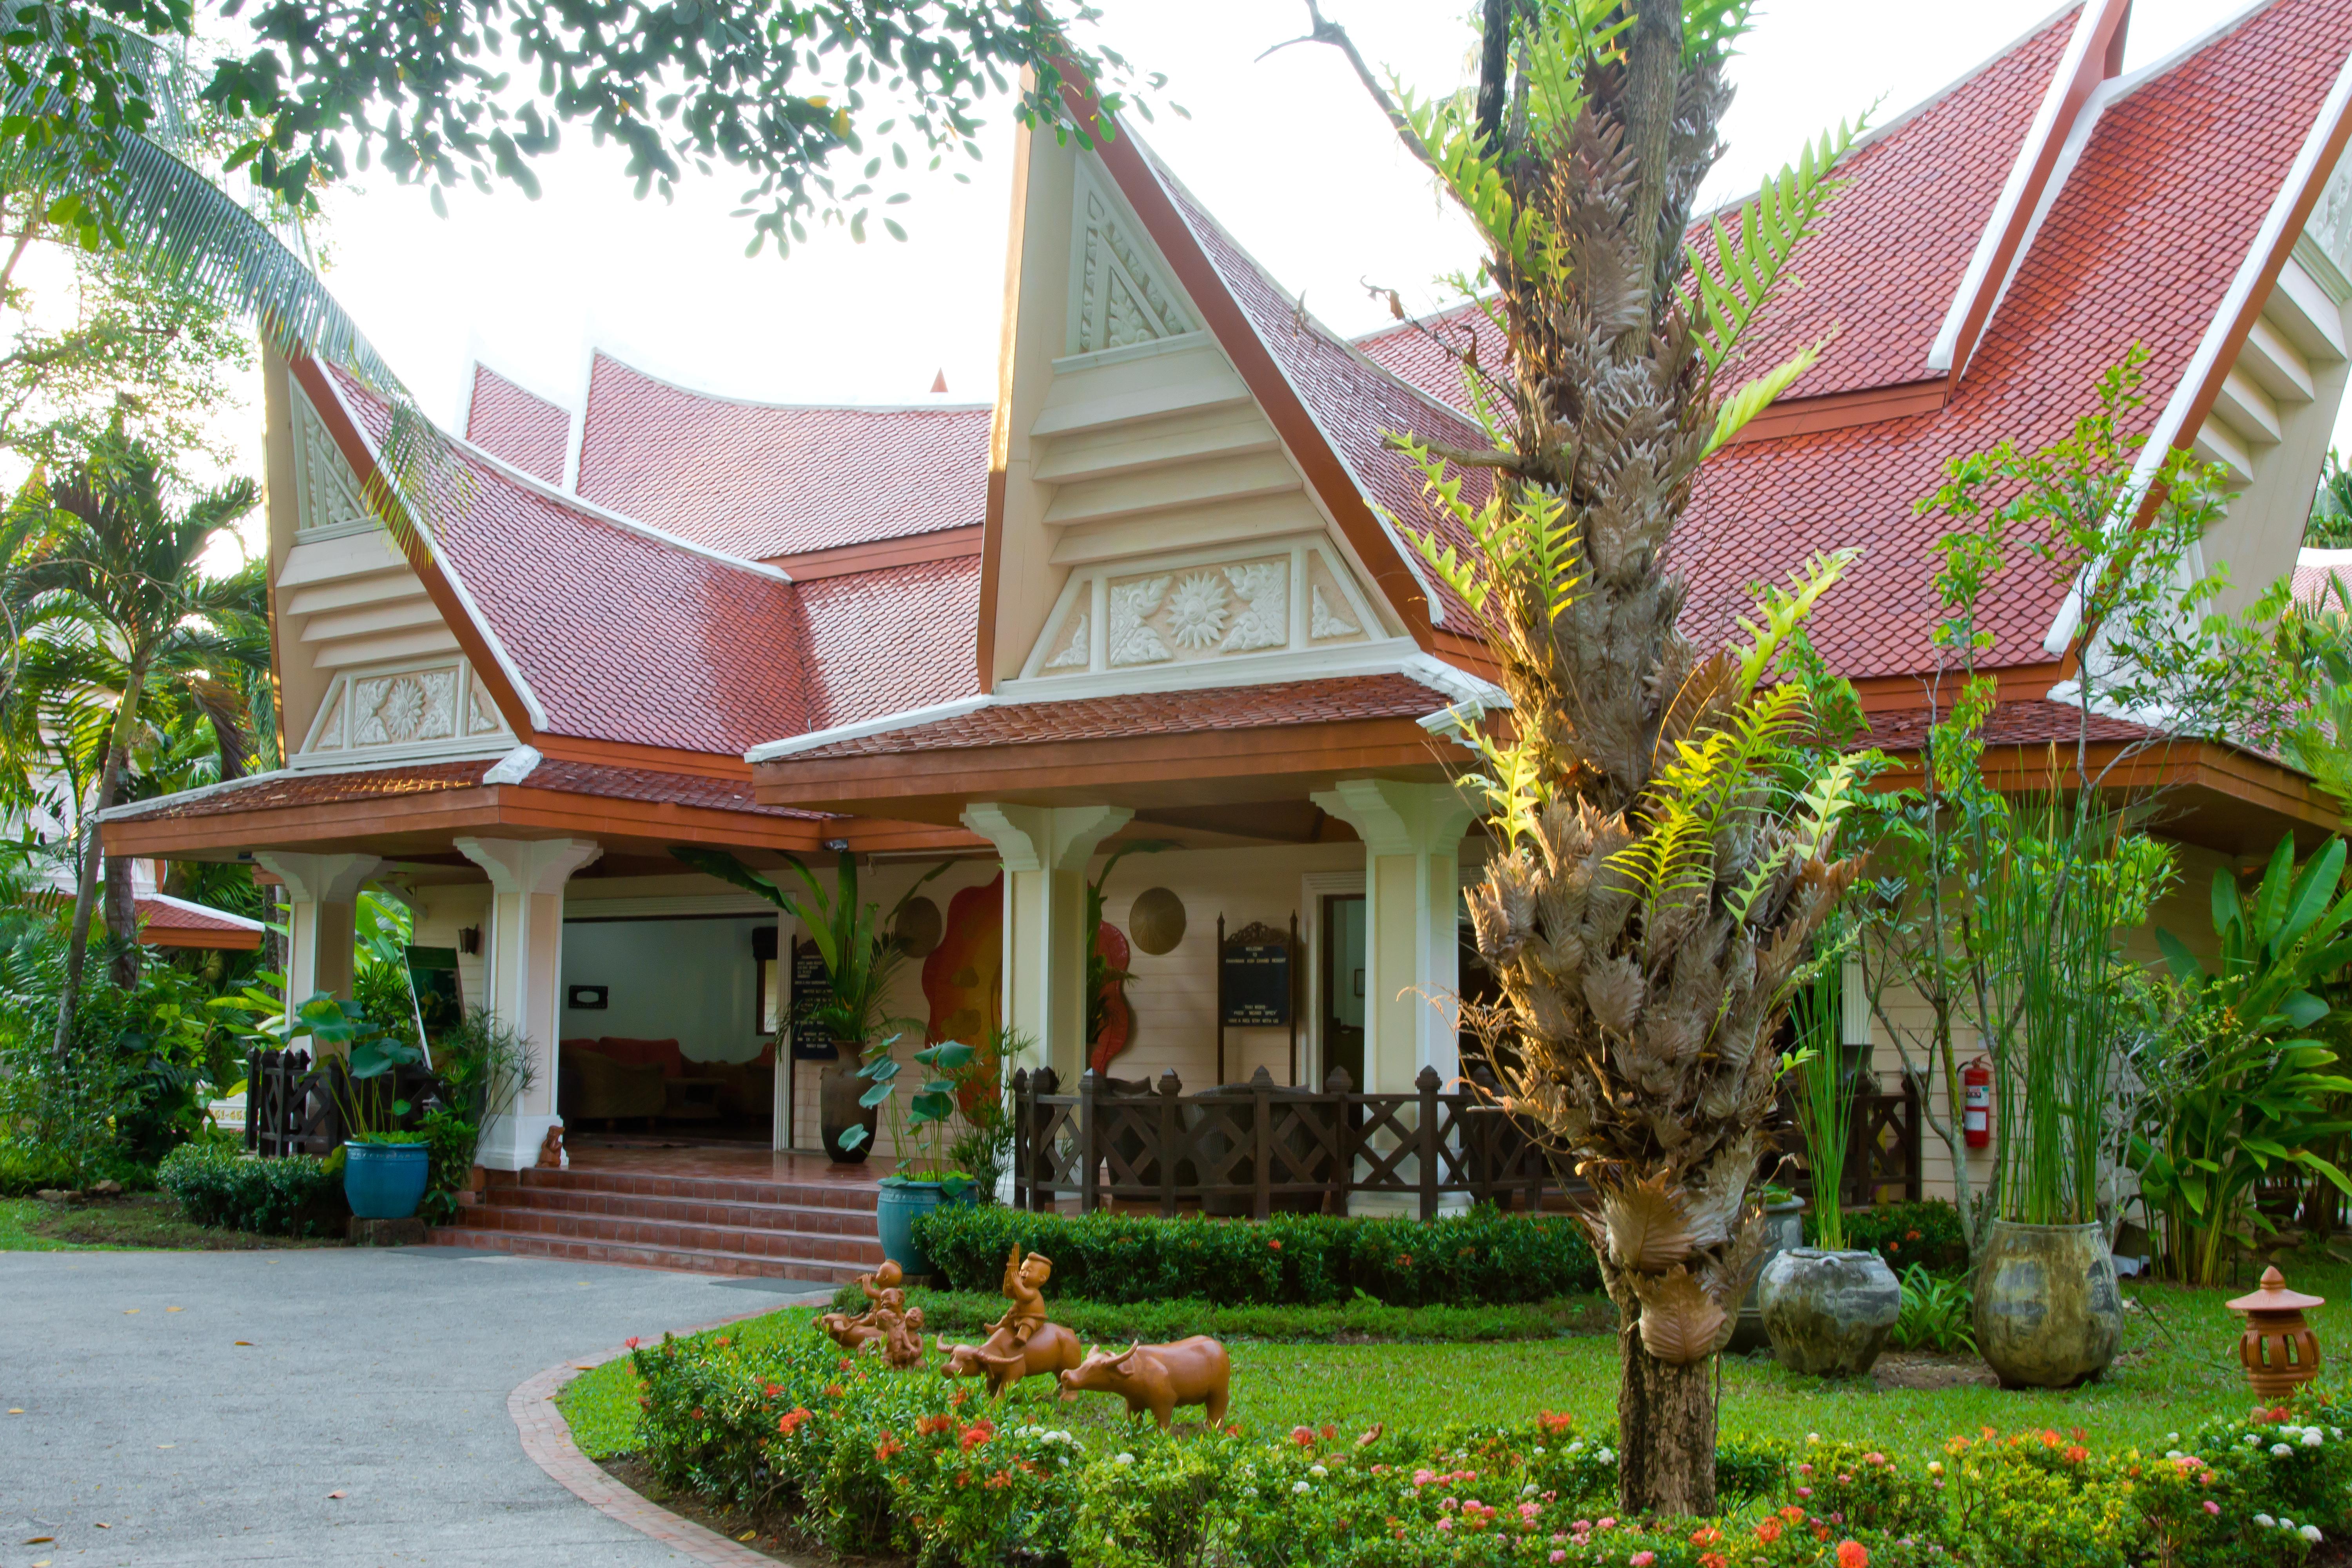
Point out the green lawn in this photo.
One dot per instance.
(140, 1220)
(15, 1215)
(2177, 1367)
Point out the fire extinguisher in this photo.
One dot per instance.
(1975, 1116)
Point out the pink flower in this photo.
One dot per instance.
(1558, 1556)
(1804, 1491)
(1579, 1524)
(2212, 1508)
(1423, 1478)
(1444, 1524)
(1642, 1559)
(631, 1341)
(1845, 1481)
(1610, 1524)
(1873, 1459)
(1528, 1511)
(1804, 1469)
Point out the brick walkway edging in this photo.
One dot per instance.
(546, 1438)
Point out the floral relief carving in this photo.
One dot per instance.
(1120, 302)
(1132, 640)
(1263, 620)
(331, 729)
(482, 716)
(328, 493)
(1077, 655)
(1327, 622)
(1196, 610)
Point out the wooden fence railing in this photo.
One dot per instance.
(290, 1107)
(1251, 1149)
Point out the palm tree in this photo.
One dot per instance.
(1666, 837)
(137, 616)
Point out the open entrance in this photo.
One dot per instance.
(1342, 985)
(669, 1030)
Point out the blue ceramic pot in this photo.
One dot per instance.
(894, 1216)
(385, 1181)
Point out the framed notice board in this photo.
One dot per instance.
(1255, 980)
(812, 989)
(433, 974)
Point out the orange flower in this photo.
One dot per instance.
(1705, 1535)
(790, 1419)
(2077, 1453)
(1768, 1531)
(2049, 1439)
(888, 1445)
(1853, 1554)
(974, 1435)
(1793, 1514)
(1274, 1244)
(927, 1425)
(1713, 1559)
(999, 1480)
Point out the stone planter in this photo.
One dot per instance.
(838, 1111)
(2047, 1312)
(1828, 1313)
(1784, 1228)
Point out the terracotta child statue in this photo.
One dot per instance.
(1024, 1281)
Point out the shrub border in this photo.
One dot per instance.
(546, 1438)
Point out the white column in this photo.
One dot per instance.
(322, 912)
(522, 960)
(1413, 877)
(1046, 850)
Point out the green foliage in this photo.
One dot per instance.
(219, 1185)
(2239, 1090)
(1825, 1092)
(1937, 1314)
(1729, 287)
(983, 1090)
(368, 1053)
(1484, 1256)
(2331, 507)
(928, 1111)
(772, 1417)
(965, 1314)
(1927, 1233)
(452, 1137)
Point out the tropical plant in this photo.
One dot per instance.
(2331, 507)
(123, 565)
(1666, 856)
(855, 940)
(927, 1113)
(1826, 1085)
(2058, 998)
(359, 1056)
(1937, 1314)
(2239, 1090)
(984, 1091)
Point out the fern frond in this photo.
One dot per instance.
(1755, 397)
(1783, 612)
(1723, 299)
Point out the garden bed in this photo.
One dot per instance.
(142, 1220)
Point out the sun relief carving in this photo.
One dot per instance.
(1196, 611)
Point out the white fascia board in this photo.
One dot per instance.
(2013, 191)
(792, 745)
(2322, 560)
(2206, 363)
(241, 921)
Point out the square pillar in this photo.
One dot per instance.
(1046, 850)
(1413, 880)
(523, 962)
(321, 919)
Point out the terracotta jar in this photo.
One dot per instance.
(2048, 1314)
(838, 1111)
(1828, 1313)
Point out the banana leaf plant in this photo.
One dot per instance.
(2238, 1093)
(854, 939)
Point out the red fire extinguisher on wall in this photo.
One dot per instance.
(1976, 1114)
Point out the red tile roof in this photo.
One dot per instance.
(1882, 267)
(2028, 722)
(518, 426)
(2139, 246)
(887, 641)
(1422, 354)
(2316, 574)
(176, 922)
(1154, 713)
(763, 481)
(270, 792)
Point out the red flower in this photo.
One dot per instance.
(1768, 1531)
(1705, 1535)
(974, 1435)
(1713, 1559)
(1793, 1514)
(723, 1341)
(2049, 1439)
(1554, 1422)
(1853, 1554)
(999, 1480)
(632, 1342)
(2078, 1434)
(833, 1390)
(1302, 1436)
(790, 1419)
(929, 1426)
(888, 1445)
(1910, 1235)
(2077, 1454)
(1274, 1244)
(1330, 1433)
(771, 1389)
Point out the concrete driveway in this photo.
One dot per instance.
(381, 1376)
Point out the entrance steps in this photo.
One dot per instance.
(823, 1233)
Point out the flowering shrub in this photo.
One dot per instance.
(2261, 1488)
(1924, 1233)
(868, 1460)
(1481, 1257)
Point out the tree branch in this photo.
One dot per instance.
(1329, 32)
(1494, 70)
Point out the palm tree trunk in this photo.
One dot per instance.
(110, 780)
(1666, 1431)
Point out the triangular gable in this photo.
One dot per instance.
(1185, 466)
(517, 426)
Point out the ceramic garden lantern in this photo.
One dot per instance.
(2278, 1348)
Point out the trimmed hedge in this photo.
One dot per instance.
(217, 1185)
(1483, 1257)
(1927, 1234)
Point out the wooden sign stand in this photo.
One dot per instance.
(1267, 962)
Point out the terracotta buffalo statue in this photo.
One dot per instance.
(1051, 1349)
(1159, 1378)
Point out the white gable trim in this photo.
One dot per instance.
(2169, 431)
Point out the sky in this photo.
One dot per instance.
(1285, 150)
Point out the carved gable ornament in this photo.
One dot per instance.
(418, 710)
(1275, 597)
(1119, 295)
(327, 491)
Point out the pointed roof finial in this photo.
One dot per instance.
(940, 382)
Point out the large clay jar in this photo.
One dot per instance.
(838, 1111)
(1784, 1228)
(1828, 1313)
(2047, 1312)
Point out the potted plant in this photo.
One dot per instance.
(1826, 1308)
(862, 957)
(918, 1185)
(2058, 1006)
(983, 1092)
(385, 1167)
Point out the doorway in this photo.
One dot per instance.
(1341, 984)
